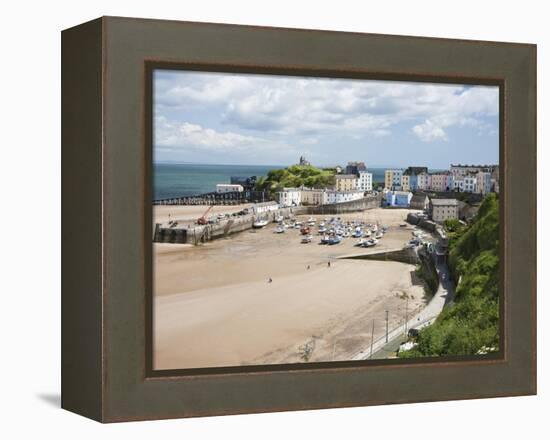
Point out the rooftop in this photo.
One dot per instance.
(345, 176)
(445, 202)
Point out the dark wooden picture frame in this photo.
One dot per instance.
(107, 370)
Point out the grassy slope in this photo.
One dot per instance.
(295, 176)
(472, 323)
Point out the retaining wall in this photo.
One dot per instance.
(369, 202)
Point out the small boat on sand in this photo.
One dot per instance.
(306, 239)
(259, 223)
(279, 229)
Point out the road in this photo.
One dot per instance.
(443, 296)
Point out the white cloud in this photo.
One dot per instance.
(428, 131)
(185, 138)
(313, 107)
(179, 135)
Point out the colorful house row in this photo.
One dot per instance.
(461, 178)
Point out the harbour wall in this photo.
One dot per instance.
(369, 202)
(196, 234)
(426, 269)
(406, 255)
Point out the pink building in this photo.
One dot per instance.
(424, 181)
(441, 182)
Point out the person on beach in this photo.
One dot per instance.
(328, 264)
(308, 267)
(269, 280)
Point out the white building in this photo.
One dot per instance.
(443, 209)
(228, 187)
(343, 196)
(265, 207)
(465, 183)
(290, 197)
(470, 183)
(364, 181)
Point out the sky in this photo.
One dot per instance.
(226, 118)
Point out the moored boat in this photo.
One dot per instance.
(260, 223)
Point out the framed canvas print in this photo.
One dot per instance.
(264, 219)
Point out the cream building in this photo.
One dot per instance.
(392, 179)
(346, 182)
(405, 182)
(312, 196)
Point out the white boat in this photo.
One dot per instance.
(370, 242)
(367, 233)
(361, 242)
(278, 219)
(307, 239)
(260, 223)
(379, 235)
(279, 230)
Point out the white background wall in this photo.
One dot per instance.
(30, 281)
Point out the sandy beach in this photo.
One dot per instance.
(215, 307)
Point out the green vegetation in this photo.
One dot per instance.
(471, 324)
(295, 176)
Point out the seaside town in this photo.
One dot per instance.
(441, 194)
(294, 272)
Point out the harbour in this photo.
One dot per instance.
(260, 297)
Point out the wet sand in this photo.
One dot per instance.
(214, 305)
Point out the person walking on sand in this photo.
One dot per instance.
(328, 264)
(269, 280)
(308, 267)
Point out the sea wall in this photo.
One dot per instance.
(426, 269)
(406, 255)
(369, 202)
(196, 234)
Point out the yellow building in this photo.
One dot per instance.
(406, 182)
(312, 196)
(346, 182)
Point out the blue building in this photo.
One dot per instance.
(399, 199)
